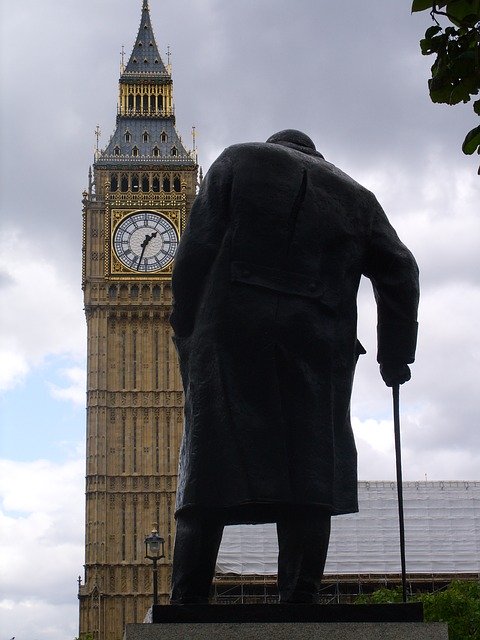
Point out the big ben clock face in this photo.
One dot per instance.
(145, 241)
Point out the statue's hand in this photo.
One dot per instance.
(395, 373)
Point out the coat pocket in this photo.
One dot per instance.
(289, 282)
(297, 284)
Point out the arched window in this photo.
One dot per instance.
(166, 184)
(174, 151)
(164, 137)
(159, 103)
(145, 61)
(112, 292)
(176, 184)
(155, 184)
(135, 61)
(128, 136)
(114, 182)
(135, 151)
(156, 151)
(138, 102)
(116, 151)
(130, 101)
(145, 183)
(153, 103)
(156, 292)
(135, 183)
(124, 183)
(134, 291)
(145, 136)
(145, 103)
(140, 44)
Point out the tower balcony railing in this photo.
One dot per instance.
(108, 158)
(142, 113)
(138, 194)
(149, 74)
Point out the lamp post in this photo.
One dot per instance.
(154, 551)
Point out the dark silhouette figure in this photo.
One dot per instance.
(264, 285)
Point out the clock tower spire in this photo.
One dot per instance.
(139, 197)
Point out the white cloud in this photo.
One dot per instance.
(13, 369)
(378, 434)
(376, 453)
(41, 309)
(75, 392)
(41, 486)
(38, 619)
(439, 407)
(41, 550)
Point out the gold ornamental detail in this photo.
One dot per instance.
(114, 268)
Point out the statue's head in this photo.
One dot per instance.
(292, 136)
(295, 140)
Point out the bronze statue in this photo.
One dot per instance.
(265, 284)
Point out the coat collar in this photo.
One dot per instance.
(298, 147)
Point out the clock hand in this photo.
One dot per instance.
(141, 255)
(147, 239)
(144, 246)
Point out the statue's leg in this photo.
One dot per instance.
(302, 552)
(197, 541)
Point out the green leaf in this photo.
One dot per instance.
(421, 5)
(432, 45)
(428, 47)
(471, 20)
(460, 12)
(472, 141)
(463, 66)
(460, 93)
(432, 31)
(476, 107)
(460, 9)
(471, 85)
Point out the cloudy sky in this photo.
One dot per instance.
(351, 75)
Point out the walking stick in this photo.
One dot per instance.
(398, 457)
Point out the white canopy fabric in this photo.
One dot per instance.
(442, 534)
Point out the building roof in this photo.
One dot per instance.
(145, 57)
(142, 137)
(442, 534)
(161, 134)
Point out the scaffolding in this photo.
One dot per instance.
(335, 589)
(442, 522)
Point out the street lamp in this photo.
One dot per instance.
(154, 551)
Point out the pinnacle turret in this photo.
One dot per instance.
(145, 57)
(145, 130)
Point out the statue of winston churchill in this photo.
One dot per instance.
(264, 315)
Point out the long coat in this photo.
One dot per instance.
(264, 284)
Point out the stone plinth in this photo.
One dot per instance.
(288, 631)
(288, 622)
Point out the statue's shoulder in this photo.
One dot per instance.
(243, 149)
(346, 182)
(263, 156)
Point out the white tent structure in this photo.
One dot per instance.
(442, 534)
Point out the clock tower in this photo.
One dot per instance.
(139, 197)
